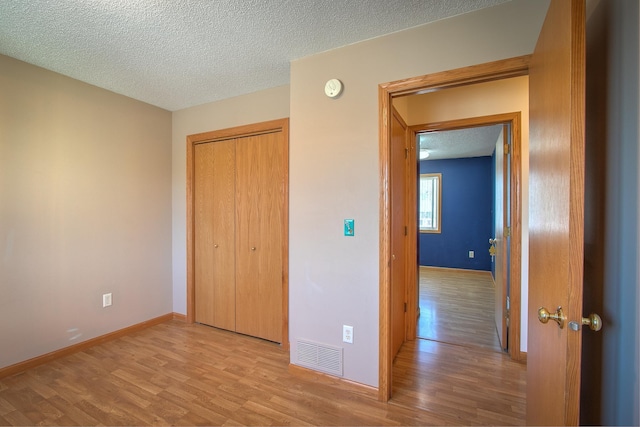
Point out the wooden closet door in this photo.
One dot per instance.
(214, 219)
(260, 200)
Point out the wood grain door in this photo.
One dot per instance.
(260, 202)
(214, 218)
(500, 261)
(399, 262)
(556, 219)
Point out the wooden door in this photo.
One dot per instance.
(556, 219)
(500, 261)
(260, 216)
(399, 262)
(214, 243)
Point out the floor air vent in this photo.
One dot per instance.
(320, 357)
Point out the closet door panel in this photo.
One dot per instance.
(260, 201)
(214, 218)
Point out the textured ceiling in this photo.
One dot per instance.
(180, 53)
(455, 144)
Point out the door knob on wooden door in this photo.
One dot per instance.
(544, 316)
(594, 322)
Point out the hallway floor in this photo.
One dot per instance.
(457, 307)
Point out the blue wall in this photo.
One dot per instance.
(467, 204)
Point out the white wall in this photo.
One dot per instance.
(334, 280)
(85, 209)
(484, 99)
(257, 107)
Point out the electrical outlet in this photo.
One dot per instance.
(472, 254)
(347, 334)
(106, 300)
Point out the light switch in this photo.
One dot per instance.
(348, 227)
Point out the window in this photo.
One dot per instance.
(429, 203)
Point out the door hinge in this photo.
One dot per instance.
(405, 230)
(507, 311)
(406, 153)
(506, 149)
(507, 232)
(405, 307)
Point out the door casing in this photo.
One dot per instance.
(507, 68)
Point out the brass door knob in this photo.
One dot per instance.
(544, 315)
(253, 248)
(594, 322)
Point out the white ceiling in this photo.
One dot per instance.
(460, 143)
(180, 53)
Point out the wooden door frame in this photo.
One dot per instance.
(512, 67)
(514, 119)
(280, 125)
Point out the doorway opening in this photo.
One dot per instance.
(513, 67)
(476, 256)
(463, 266)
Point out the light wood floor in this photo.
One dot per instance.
(180, 374)
(475, 386)
(457, 307)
